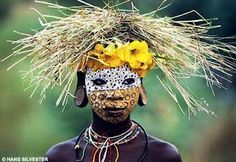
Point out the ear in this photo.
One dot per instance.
(142, 100)
(81, 99)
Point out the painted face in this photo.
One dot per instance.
(113, 93)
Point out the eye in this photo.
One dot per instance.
(128, 81)
(99, 82)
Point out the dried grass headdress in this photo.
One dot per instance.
(182, 49)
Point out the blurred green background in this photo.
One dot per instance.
(28, 128)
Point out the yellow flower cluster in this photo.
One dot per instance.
(134, 54)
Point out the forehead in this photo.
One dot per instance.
(112, 73)
(114, 79)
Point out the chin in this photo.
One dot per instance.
(115, 120)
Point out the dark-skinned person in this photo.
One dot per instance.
(111, 50)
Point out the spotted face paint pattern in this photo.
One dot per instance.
(111, 79)
(113, 93)
(114, 106)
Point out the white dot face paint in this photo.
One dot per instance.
(113, 93)
(111, 79)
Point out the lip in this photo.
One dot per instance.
(114, 111)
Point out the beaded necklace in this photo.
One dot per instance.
(103, 143)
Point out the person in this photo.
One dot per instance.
(111, 50)
(112, 136)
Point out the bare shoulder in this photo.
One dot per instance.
(162, 150)
(62, 152)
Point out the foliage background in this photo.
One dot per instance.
(29, 129)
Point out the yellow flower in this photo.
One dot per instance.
(135, 54)
(109, 57)
(94, 64)
(99, 48)
(141, 73)
(124, 52)
(134, 64)
(139, 50)
(110, 49)
(93, 61)
(138, 54)
(145, 67)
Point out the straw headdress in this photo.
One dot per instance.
(182, 48)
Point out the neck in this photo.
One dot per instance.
(103, 127)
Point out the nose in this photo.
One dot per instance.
(114, 95)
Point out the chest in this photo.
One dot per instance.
(127, 152)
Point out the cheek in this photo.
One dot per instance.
(96, 99)
(131, 97)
